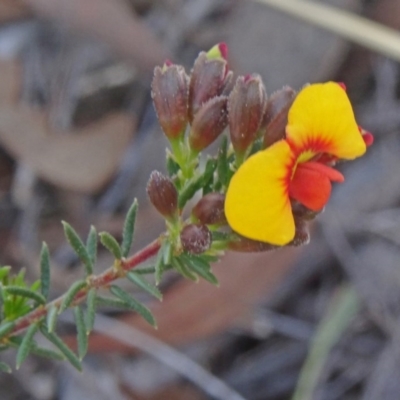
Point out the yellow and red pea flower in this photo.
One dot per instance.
(321, 128)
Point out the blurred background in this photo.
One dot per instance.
(78, 140)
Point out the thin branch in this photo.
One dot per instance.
(95, 281)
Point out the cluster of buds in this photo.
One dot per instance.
(199, 100)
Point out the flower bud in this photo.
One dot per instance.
(163, 194)
(210, 209)
(276, 115)
(170, 93)
(208, 123)
(195, 239)
(209, 78)
(246, 106)
(245, 245)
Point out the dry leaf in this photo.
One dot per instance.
(83, 160)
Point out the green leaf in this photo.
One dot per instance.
(47, 353)
(167, 252)
(51, 319)
(65, 350)
(172, 166)
(16, 341)
(4, 272)
(222, 163)
(76, 243)
(220, 236)
(70, 295)
(133, 304)
(26, 345)
(184, 270)
(91, 245)
(81, 329)
(110, 244)
(91, 310)
(209, 258)
(129, 229)
(196, 183)
(6, 328)
(111, 302)
(145, 270)
(24, 292)
(1, 303)
(159, 265)
(201, 269)
(45, 271)
(142, 283)
(5, 368)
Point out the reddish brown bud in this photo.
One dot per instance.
(246, 106)
(195, 239)
(209, 78)
(209, 123)
(170, 93)
(276, 115)
(245, 245)
(210, 209)
(163, 194)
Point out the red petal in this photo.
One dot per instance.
(310, 187)
(331, 173)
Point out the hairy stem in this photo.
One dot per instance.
(94, 281)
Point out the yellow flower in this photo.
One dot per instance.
(320, 123)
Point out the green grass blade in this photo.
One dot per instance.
(343, 308)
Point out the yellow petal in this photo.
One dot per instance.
(257, 202)
(321, 120)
